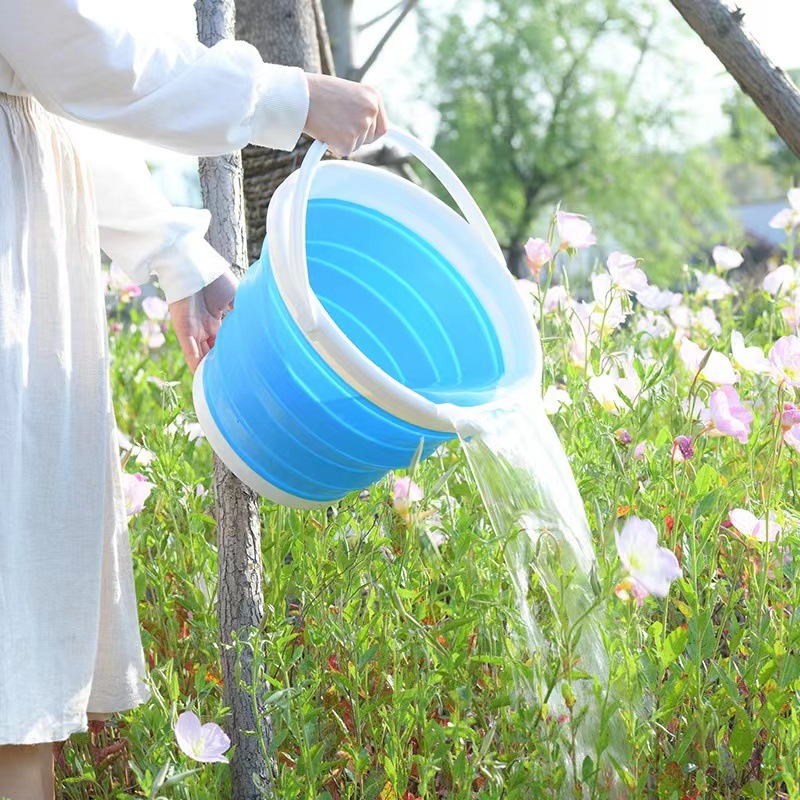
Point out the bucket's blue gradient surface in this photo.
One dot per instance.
(288, 415)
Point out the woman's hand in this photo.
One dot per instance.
(196, 319)
(344, 114)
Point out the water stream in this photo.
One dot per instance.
(534, 505)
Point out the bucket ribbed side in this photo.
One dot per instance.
(287, 414)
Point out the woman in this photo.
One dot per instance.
(69, 636)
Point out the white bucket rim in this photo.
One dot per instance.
(287, 210)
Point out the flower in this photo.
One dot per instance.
(712, 286)
(792, 437)
(706, 320)
(726, 416)
(652, 567)
(555, 297)
(155, 308)
(537, 254)
(136, 489)
(656, 299)
(118, 282)
(656, 325)
(623, 436)
(625, 274)
(788, 218)
(785, 360)
(630, 589)
(781, 280)
(607, 313)
(682, 449)
(718, 368)
(749, 525)
(404, 493)
(530, 293)
(555, 399)
(726, 258)
(604, 389)
(751, 359)
(152, 333)
(205, 743)
(639, 451)
(790, 416)
(574, 230)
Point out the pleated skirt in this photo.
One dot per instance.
(69, 634)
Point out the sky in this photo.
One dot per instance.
(775, 24)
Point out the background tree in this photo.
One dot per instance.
(241, 596)
(539, 104)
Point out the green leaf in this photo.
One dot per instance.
(673, 646)
(740, 741)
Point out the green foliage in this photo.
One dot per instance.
(539, 103)
(392, 656)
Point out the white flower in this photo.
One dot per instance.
(706, 320)
(155, 308)
(788, 218)
(604, 389)
(555, 399)
(625, 274)
(751, 359)
(718, 368)
(655, 324)
(656, 299)
(555, 297)
(652, 567)
(749, 525)
(726, 258)
(205, 743)
(712, 286)
(781, 280)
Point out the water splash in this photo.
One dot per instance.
(533, 502)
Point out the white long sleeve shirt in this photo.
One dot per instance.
(97, 63)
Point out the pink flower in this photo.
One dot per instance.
(136, 489)
(118, 282)
(205, 743)
(155, 308)
(574, 231)
(639, 451)
(792, 437)
(537, 254)
(726, 258)
(726, 416)
(625, 274)
(630, 589)
(652, 567)
(404, 493)
(682, 449)
(749, 525)
(152, 333)
(718, 368)
(623, 436)
(785, 359)
(555, 297)
(790, 416)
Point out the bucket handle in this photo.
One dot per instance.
(306, 306)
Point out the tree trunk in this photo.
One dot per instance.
(284, 32)
(339, 17)
(241, 597)
(720, 26)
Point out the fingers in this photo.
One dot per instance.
(191, 351)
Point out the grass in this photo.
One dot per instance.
(391, 656)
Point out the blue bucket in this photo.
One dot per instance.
(376, 319)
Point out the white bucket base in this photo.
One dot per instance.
(232, 461)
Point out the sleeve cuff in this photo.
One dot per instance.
(187, 266)
(281, 108)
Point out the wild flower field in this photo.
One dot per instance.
(390, 654)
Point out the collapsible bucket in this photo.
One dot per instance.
(376, 318)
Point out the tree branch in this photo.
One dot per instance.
(325, 52)
(359, 73)
(719, 25)
(380, 17)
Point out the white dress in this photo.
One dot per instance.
(69, 635)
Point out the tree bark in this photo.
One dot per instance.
(284, 32)
(719, 25)
(241, 596)
(339, 18)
